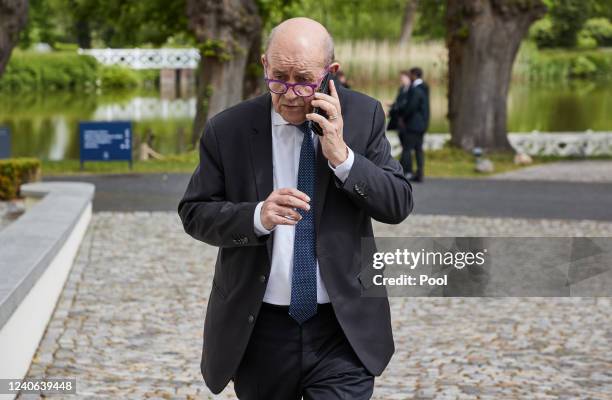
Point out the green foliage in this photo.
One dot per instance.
(61, 70)
(582, 67)
(106, 23)
(117, 77)
(599, 29)
(31, 72)
(430, 21)
(568, 24)
(542, 33)
(14, 172)
(559, 65)
(567, 17)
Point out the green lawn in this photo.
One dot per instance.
(177, 163)
(448, 162)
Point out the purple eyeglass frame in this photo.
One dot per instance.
(288, 85)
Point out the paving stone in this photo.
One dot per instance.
(129, 323)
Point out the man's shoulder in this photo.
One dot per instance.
(354, 100)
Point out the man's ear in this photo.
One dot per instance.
(263, 60)
(334, 67)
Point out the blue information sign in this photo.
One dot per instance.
(5, 142)
(106, 141)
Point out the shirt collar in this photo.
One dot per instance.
(417, 82)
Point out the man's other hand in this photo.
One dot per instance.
(279, 207)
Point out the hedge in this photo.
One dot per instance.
(53, 71)
(67, 70)
(16, 171)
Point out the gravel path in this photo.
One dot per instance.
(568, 171)
(129, 322)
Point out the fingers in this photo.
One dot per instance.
(333, 99)
(280, 207)
(332, 89)
(294, 192)
(329, 108)
(325, 124)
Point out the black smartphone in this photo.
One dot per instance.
(323, 88)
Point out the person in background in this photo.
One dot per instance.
(414, 121)
(395, 112)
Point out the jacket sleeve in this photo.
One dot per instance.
(376, 181)
(204, 211)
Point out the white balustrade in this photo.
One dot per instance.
(146, 58)
(564, 144)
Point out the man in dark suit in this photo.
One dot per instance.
(414, 121)
(395, 120)
(286, 317)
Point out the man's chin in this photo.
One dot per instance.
(293, 115)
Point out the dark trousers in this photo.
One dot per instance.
(286, 361)
(412, 141)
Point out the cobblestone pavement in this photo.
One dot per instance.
(570, 171)
(129, 322)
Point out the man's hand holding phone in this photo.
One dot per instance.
(279, 207)
(332, 140)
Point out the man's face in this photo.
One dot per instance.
(293, 67)
(404, 80)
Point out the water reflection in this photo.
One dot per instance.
(45, 125)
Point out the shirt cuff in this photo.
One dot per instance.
(258, 226)
(342, 170)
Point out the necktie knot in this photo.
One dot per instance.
(304, 127)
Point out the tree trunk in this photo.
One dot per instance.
(408, 22)
(13, 18)
(483, 37)
(252, 85)
(226, 31)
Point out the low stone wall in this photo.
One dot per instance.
(37, 251)
(564, 144)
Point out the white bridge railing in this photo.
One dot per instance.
(147, 58)
(562, 144)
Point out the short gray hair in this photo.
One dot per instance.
(329, 46)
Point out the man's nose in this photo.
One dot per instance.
(290, 95)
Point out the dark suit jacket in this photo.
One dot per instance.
(415, 113)
(235, 173)
(396, 108)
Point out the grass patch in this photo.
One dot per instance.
(448, 162)
(186, 162)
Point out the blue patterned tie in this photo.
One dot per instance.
(304, 282)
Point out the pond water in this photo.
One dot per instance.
(45, 125)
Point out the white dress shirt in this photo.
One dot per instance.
(286, 146)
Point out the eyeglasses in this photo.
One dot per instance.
(300, 89)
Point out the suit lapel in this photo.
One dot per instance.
(261, 152)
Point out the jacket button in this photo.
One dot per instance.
(262, 278)
(251, 319)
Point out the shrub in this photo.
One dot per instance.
(542, 33)
(599, 29)
(116, 77)
(14, 172)
(586, 42)
(53, 71)
(582, 67)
